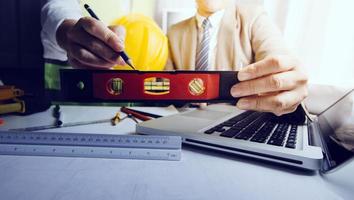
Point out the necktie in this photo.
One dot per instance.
(202, 63)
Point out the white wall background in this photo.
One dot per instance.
(322, 35)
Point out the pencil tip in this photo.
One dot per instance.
(131, 65)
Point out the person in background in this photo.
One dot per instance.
(220, 37)
(225, 36)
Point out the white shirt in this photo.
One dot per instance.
(215, 22)
(53, 13)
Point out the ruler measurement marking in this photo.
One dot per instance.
(91, 145)
(121, 154)
(95, 139)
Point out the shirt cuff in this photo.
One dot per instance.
(53, 14)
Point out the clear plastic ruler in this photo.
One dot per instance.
(145, 147)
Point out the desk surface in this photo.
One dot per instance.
(201, 174)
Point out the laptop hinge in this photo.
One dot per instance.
(313, 141)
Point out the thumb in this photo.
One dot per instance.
(121, 33)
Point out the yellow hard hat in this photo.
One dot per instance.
(145, 43)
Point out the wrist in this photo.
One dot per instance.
(62, 32)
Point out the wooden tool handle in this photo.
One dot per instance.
(9, 92)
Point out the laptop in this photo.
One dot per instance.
(320, 144)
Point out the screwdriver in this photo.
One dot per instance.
(57, 114)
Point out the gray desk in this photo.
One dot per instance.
(200, 174)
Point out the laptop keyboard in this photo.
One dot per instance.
(258, 127)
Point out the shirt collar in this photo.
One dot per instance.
(214, 19)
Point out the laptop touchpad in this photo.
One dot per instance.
(206, 114)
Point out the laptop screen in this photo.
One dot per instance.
(337, 127)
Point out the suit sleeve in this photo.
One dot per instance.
(53, 13)
(266, 38)
(170, 65)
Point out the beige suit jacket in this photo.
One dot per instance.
(246, 35)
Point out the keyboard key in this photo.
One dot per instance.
(272, 142)
(262, 135)
(240, 117)
(210, 131)
(291, 141)
(230, 123)
(235, 124)
(291, 137)
(290, 145)
(220, 130)
(279, 135)
(252, 128)
(229, 133)
(259, 140)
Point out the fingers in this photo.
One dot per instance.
(121, 33)
(269, 65)
(94, 45)
(279, 104)
(272, 83)
(100, 31)
(86, 57)
(121, 61)
(90, 43)
(74, 62)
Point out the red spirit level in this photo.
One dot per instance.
(136, 86)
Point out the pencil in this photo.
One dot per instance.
(143, 113)
(135, 114)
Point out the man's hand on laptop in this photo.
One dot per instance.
(274, 84)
